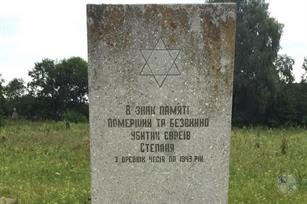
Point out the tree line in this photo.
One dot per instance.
(265, 92)
(264, 88)
(57, 91)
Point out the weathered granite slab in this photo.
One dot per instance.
(160, 79)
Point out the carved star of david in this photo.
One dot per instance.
(160, 62)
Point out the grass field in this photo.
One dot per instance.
(259, 157)
(44, 163)
(47, 163)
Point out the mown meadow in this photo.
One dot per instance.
(49, 162)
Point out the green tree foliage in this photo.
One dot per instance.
(301, 103)
(43, 75)
(13, 92)
(17, 96)
(304, 76)
(2, 99)
(301, 97)
(28, 107)
(1, 83)
(290, 106)
(58, 87)
(256, 79)
(283, 108)
(71, 80)
(72, 85)
(284, 65)
(15, 89)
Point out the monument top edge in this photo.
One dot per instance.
(165, 4)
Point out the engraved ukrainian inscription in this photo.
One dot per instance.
(177, 127)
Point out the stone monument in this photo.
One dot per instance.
(160, 80)
(15, 115)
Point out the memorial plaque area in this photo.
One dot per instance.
(160, 79)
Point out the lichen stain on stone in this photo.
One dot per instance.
(230, 48)
(107, 23)
(219, 41)
(172, 39)
(168, 18)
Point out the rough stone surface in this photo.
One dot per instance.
(179, 57)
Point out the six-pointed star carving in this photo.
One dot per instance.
(160, 62)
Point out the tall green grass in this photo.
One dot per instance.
(47, 162)
(44, 162)
(259, 157)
